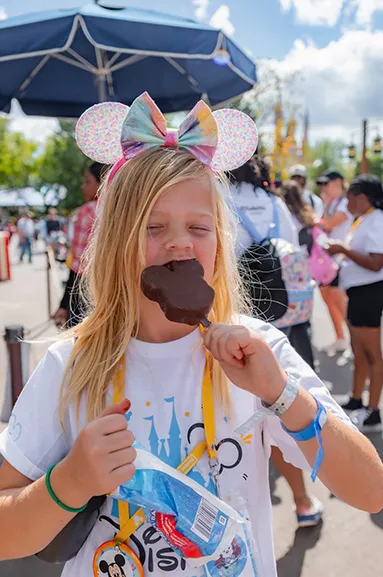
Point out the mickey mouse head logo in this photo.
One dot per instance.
(114, 569)
(180, 290)
(237, 449)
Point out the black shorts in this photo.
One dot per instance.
(365, 305)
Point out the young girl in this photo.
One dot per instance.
(163, 204)
(361, 275)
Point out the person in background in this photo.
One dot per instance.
(304, 218)
(251, 193)
(50, 225)
(361, 275)
(70, 311)
(26, 231)
(298, 173)
(337, 222)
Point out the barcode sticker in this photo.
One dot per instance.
(204, 520)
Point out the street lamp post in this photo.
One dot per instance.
(364, 161)
(376, 148)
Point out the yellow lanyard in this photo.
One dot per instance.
(128, 525)
(359, 221)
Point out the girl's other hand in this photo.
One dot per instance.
(336, 248)
(247, 360)
(60, 317)
(102, 456)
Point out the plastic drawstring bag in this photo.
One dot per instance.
(199, 526)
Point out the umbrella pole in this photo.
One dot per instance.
(101, 87)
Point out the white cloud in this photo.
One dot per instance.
(34, 128)
(341, 83)
(329, 12)
(201, 8)
(365, 9)
(3, 14)
(315, 12)
(221, 20)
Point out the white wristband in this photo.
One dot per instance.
(281, 405)
(288, 396)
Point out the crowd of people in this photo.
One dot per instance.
(351, 233)
(159, 206)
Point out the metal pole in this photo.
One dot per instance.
(13, 337)
(364, 161)
(101, 87)
(48, 286)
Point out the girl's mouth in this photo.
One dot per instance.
(170, 265)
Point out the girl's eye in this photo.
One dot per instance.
(201, 228)
(154, 227)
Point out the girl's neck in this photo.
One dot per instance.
(152, 331)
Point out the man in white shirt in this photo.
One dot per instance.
(298, 172)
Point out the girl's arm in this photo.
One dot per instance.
(372, 261)
(351, 467)
(330, 222)
(99, 461)
(29, 518)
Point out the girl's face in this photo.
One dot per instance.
(89, 186)
(358, 204)
(181, 226)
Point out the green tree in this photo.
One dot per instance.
(61, 167)
(375, 165)
(18, 158)
(325, 155)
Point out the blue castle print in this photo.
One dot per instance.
(169, 450)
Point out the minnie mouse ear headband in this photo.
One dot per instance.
(112, 133)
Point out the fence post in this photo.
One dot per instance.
(13, 336)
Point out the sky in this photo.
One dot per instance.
(332, 48)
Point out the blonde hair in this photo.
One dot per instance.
(115, 259)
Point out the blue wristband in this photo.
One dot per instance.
(313, 430)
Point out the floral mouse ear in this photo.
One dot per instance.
(98, 131)
(237, 139)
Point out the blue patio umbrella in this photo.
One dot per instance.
(60, 62)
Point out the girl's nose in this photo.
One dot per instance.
(179, 241)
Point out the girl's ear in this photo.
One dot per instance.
(98, 131)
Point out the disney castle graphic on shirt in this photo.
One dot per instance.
(152, 549)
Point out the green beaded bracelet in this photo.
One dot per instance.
(56, 500)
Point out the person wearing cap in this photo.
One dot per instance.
(361, 275)
(337, 222)
(298, 172)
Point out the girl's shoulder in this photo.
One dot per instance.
(61, 351)
(376, 217)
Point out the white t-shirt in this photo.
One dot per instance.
(314, 201)
(163, 382)
(26, 227)
(258, 206)
(341, 231)
(366, 239)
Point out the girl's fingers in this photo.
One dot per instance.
(121, 458)
(224, 346)
(118, 441)
(122, 474)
